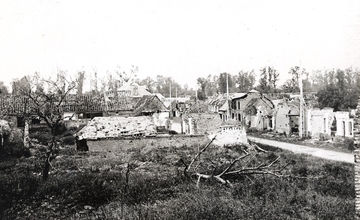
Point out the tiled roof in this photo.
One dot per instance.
(149, 103)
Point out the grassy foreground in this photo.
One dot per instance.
(147, 182)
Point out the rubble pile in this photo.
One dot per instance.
(229, 135)
(112, 127)
(205, 123)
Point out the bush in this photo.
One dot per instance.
(15, 189)
(60, 129)
(14, 146)
(69, 140)
(349, 144)
(16, 149)
(43, 138)
(68, 133)
(336, 181)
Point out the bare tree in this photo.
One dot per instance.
(80, 82)
(123, 77)
(47, 104)
(94, 83)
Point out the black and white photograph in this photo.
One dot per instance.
(153, 109)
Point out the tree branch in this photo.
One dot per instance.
(199, 153)
(232, 164)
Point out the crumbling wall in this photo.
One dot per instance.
(357, 160)
(229, 135)
(174, 141)
(344, 124)
(282, 120)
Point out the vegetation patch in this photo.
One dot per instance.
(147, 182)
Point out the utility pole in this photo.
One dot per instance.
(106, 104)
(90, 82)
(171, 114)
(227, 97)
(301, 121)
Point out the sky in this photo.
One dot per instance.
(182, 39)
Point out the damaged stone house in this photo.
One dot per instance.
(317, 123)
(325, 123)
(187, 120)
(287, 117)
(259, 113)
(147, 105)
(239, 102)
(216, 102)
(253, 109)
(225, 106)
(179, 107)
(151, 105)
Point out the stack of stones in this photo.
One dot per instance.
(357, 159)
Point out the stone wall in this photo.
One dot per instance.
(119, 144)
(357, 160)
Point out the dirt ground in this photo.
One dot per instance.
(338, 144)
(301, 149)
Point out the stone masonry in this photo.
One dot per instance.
(357, 160)
(113, 127)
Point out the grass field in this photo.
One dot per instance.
(120, 179)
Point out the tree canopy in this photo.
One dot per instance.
(340, 89)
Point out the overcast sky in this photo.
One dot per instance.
(181, 39)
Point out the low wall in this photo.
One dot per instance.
(161, 141)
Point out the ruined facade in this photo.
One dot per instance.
(326, 124)
(319, 123)
(216, 102)
(259, 113)
(344, 124)
(287, 117)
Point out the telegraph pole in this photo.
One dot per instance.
(171, 114)
(227, 97)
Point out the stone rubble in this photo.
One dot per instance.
(113, 127)
(229, 136)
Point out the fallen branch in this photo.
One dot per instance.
(232, 164)
(258, 168)
(217, 177)
(231, 169)
(198, 154)
(259, 148)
